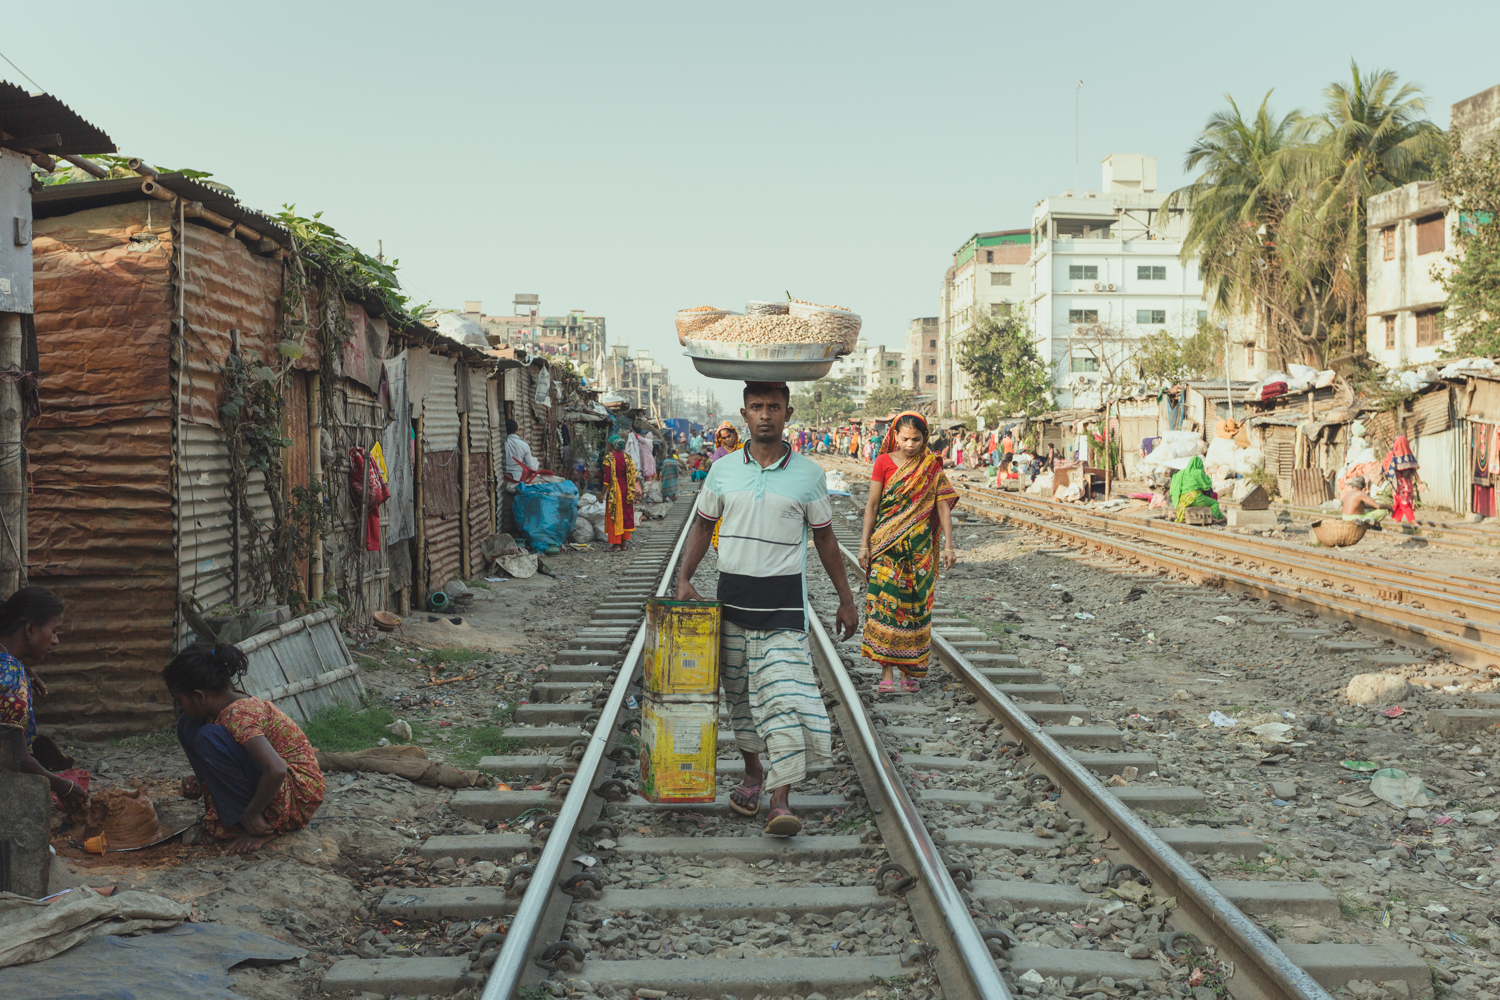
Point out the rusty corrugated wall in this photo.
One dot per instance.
(101, 519)
(441, 509)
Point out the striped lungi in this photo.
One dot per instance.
(775, 705)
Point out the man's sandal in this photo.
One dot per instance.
(783, 822)
(745, 799)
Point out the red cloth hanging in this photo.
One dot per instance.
(368, 490)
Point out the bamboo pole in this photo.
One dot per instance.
(463, 495)
(315, 474)
(419, 571)
(195, 210)
(12, 458)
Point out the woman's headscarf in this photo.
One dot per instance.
(1399, 459)
(725, 432)
(889, 444)
(616, 442)
(1191, 478)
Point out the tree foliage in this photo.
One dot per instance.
(826, 401)
(1162, 358)
(1279, 207)
(1003, 364)
(888, 399)
(1471, 178)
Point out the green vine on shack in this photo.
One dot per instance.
(322, 272)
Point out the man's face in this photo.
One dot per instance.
(766, 416)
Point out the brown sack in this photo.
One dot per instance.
(407, 761)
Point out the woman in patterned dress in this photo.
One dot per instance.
(29, 621)
(621, 490)
(254, 767)
(908, 515)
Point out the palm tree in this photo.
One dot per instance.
(1372, 136)
(1238, 192)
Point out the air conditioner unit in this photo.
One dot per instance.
(1097, 286)
(1111, 286)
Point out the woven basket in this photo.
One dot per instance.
(1335, 534)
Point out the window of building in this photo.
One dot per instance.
(930, 379)
(1428, 329)
(1388, 243)
(1151, 272)
(1430, 235)
(1089, 364)
(1203, 315)
(1150, 316)
(890, 364)
(1250, 357)
(999, 308)
(1083, 272)
(1083, 315)
(931, 343)
(989, 256)
(999, 277)
(932, 361)
(1389, 322)
(893, 381)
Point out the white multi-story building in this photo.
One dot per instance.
(988, 278)
(1411, 239)
(1105, 271)
(920, 361)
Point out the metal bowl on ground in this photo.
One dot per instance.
(1336, 534)
(385, 621)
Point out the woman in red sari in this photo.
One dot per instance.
(621, 488)
(1400, 467)
(906, 519)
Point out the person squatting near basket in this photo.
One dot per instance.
(254, 767)
(1358, 505)
(907, 518)
(765, 500)
(621, 490)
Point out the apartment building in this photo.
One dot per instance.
(883, 369)
(920, 371)
(641, 380)
(573, 335)
(988, 278)
(1410, 250)
(1105, 271)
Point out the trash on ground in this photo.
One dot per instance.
(1359, 765)
(1222, 721)
(1273, 732)
(1394, 712)
(1400, 789)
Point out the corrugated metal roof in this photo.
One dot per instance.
(64, 199)
(23, 115)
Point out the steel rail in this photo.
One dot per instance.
(1210, 915)
(1378, 615)
(1464, 585)
(516, 951)
(947, 912)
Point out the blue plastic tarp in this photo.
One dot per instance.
(545, 513)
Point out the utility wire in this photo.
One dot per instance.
(18, 69)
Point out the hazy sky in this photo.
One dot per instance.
(635, 159)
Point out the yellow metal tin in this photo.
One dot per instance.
(681, 656)
(680, 749)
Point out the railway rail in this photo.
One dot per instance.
(1055, 755)
(945, 901)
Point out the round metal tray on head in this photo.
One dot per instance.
(750, 370)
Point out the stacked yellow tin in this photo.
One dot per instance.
(680, 715)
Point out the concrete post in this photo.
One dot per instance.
(12, 460)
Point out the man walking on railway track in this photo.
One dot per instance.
(764, 500)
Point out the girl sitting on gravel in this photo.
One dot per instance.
(256, 771)
(906, 519)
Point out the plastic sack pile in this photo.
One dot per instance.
(1174, 445)
(545, 513)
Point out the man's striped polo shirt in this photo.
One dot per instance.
(764, 516)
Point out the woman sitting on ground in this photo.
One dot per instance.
(256, 771)
(1192, 488)
(29, 621)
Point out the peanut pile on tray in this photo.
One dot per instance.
(797, 322)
